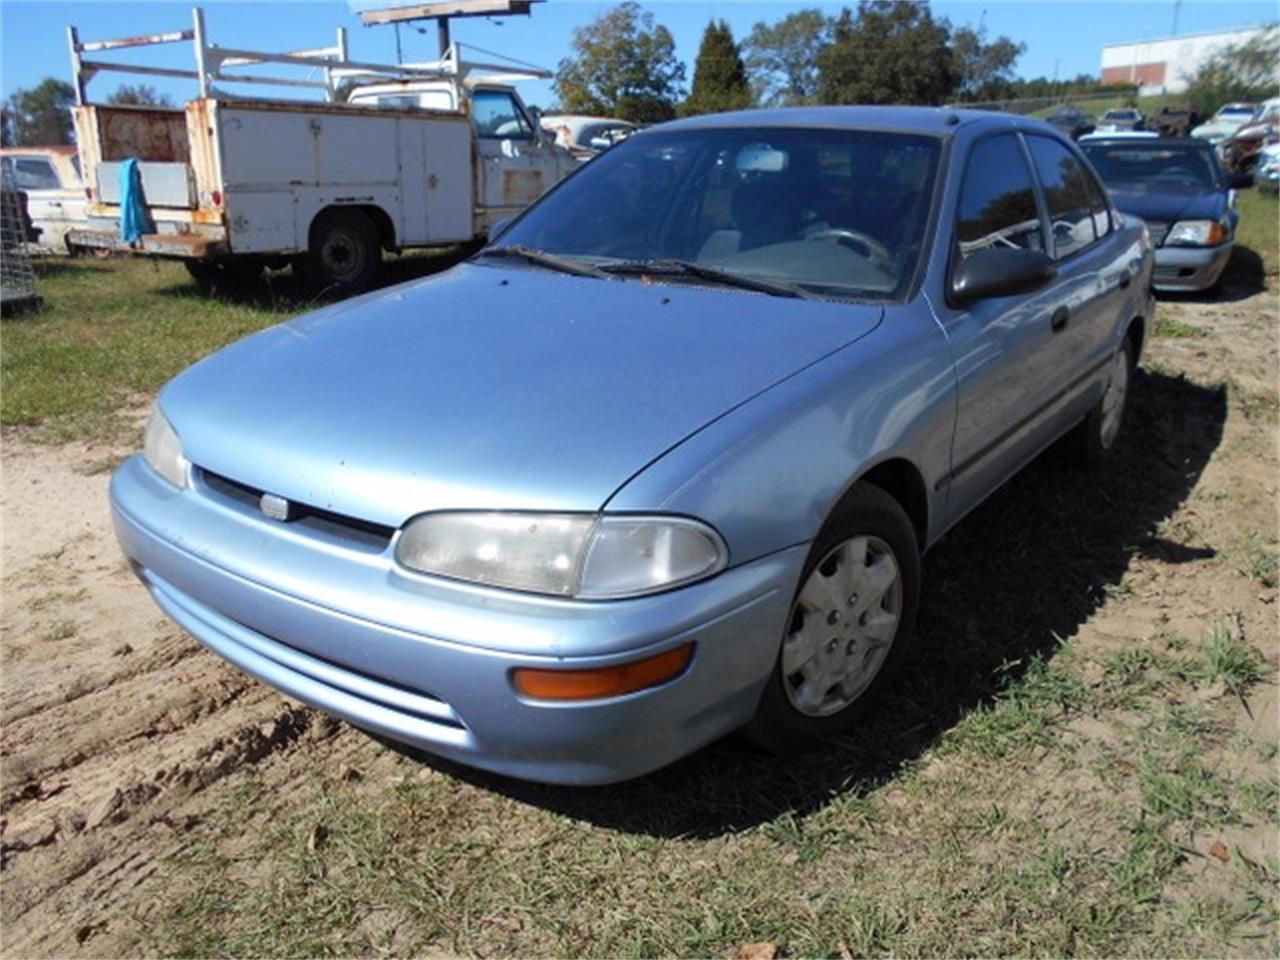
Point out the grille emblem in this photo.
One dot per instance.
(277, 508)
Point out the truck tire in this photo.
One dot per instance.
(344, 253)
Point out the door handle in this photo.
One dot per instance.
(1058, 322)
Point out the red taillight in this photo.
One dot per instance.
(217, 198)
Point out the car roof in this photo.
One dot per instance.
(936, 121)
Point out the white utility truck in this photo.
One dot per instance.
(418, 155)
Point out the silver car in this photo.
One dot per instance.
(660, 463)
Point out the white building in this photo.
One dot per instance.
(1165, 64)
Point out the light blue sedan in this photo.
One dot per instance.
(659, 463)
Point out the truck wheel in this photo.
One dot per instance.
(344, 253)
(203, 272)
(850, 625)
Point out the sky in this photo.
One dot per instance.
(1065, 38)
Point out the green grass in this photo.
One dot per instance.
(1173, 328)
(112, 332)
(1259, 228)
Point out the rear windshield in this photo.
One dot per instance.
(841, 212)
(1154, 164)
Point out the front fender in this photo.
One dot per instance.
(767, 474)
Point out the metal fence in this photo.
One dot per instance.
(17, 277)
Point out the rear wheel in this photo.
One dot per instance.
(1094, 440)
(850, 623)
(344, 253)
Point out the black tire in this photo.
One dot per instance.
(1090, 444)
(779, 724)
(203, 272)
(344, 253)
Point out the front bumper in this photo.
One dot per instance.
(1189, 268)
(428, 662)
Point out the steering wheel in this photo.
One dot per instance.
(875, 251)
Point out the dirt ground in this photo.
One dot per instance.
(120, 733)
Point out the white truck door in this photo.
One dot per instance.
(516, 165)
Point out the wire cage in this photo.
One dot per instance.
(17, 276)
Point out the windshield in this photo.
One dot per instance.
(835, 212)
(1157, 164)
(1120, 115)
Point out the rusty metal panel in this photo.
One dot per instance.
(152, 244)
(142, 132)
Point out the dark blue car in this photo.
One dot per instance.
(1186, 199)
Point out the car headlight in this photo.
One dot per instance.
(1197, 233)
(163, 450)
(586, 556)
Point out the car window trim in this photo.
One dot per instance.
(1111, 225)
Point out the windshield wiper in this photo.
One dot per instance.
(543, 259)
(688, 268)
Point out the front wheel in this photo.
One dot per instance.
(850, 623)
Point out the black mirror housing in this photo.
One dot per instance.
(1240, 181)
(1000, 272)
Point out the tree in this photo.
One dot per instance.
(985, 70)
(893, 51)
(782, 59)
(719, 76)
(141, 95)
(1243, 71)
(41, 116)
(624, 65)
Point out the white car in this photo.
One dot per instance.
(50, 177)
(586, 136)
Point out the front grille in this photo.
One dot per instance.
(353, 531)
(1158, 231)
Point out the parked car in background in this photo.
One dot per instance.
(1178, 188)
(1267, 172)
(50, 177)
(1240, 151)
(1174, 120)
(1227, 120)
(1122, 118)
(661, 462)
(585, 136)
(1072, 121)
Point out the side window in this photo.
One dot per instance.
(1098, 205)
(34, 173)
(997, 199)
(497, 117)
(1067, 194)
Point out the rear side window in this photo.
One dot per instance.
(1077, 206)
(496, 116)
(997, 199)
(32, 173)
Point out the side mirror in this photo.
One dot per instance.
(1000, 272)
(1239, 181)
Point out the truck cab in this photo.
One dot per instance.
(517, 160)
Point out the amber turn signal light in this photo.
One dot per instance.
(600, 682)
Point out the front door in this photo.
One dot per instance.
(516, 165)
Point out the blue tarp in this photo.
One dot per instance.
(135, 219)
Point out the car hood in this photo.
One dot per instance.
(1161, 203)
(490, 387)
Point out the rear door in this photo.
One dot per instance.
(1091, 274)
